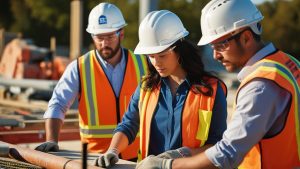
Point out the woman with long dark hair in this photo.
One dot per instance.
(179, 108)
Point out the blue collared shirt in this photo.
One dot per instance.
(166, 122)
(67, 88)
(114, 74)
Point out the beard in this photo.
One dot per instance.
(107, 52)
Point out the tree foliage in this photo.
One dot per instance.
(281, 25)
(40, 20)
(5, 14)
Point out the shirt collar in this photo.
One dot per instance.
(166, 83)
(268, 49)
(106, 64)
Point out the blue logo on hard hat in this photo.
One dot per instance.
(102, 20)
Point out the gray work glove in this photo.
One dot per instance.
(154, 162)
(178, 153)
(48, 146)
(108, 159)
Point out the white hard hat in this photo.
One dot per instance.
(158, 31)
(220, 17)
(104, 18)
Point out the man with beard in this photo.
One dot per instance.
(103, 80)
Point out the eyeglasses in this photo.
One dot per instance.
(163, 53)
(108, 38)
(224, 45)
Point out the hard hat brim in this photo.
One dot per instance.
(140, 49)
(207, 40)
(101, 31)
(104, 30)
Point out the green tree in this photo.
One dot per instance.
(281, 25)
(42, 19)
(37, 20)
(189, 11)
(5, 14)
(49, 18)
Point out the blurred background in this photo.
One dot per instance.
(38, 21)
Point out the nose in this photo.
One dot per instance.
(217, 55)
(104, 42)
(155, 61)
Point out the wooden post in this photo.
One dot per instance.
(76, 28)
(1, 42)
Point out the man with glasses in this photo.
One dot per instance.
(103, 80)
(264, 131)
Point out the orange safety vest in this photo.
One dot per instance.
(196, 116)
(282, 150)
(99, 109)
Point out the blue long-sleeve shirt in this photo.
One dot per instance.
(166, 122)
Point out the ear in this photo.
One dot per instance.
(122, 34)
(246, 38)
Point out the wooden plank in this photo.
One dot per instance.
(23, 105)
(67, 159)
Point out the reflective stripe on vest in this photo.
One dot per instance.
(99, 133)
(90, 68)
(140, 65)
(270, 153)
(196, 117)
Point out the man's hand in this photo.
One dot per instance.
(107, 159)
(178, 153)
(154, 162)
(48, 146)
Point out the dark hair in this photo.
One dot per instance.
(256, 37)
(191, 62)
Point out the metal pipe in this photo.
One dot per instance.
(146, 6)
(11, 123)
(84, 155)
(29, 83)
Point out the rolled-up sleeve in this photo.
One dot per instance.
(64, 93)
(260, 104)
(131, 119)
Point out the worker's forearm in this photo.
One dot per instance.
(198, 161)
(200, 149)
(119, 141)
(53, 127)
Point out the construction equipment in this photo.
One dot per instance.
(28, 75)
(21, 60)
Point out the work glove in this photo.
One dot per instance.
(48, 146)
(178, 153)
(108, 159)
(154, 162)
